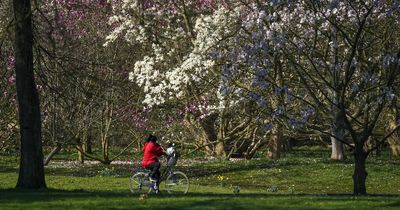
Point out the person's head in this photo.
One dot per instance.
(151, 138)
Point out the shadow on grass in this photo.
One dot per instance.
(54, 199)
(8, 169)
(12, 193)
(199, 171)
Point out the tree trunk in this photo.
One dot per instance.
(256, 143)
(337, 131)
(81, 156)
(106, 151)
(54, 151)
(395, 149)
(371, 143)
(210, 134)
(394, 139)
(31, 169)
(275, 142)
(337, 146)
(360, 173)
(220, 149)
(287, 145)
(88, 145)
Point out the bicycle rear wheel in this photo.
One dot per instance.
(177, 183)
(137, 183)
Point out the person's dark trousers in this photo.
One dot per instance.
(155, 171)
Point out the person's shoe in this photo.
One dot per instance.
(152, 180)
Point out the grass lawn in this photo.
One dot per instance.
(303, 179)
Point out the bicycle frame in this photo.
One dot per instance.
(168, 170)
(171, 178)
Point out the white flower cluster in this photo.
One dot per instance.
(126, 23)
(167, 70)
(211, 29)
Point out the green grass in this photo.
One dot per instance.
(302, 179)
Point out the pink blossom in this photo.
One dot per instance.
(11, 80)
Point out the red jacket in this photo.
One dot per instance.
(151, 152)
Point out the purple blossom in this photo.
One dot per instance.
(334, 4)
(10, 62)
(369, 78)
(307, 112)
(296, 123)
(215, 54)
(388, 60)
(353, 63)
(261, 73)
(263, 84)
(254, 96)
(277, 91)
(205, 4)
(291, 122)
(192, 108)
(280, 90)
(259, 79)
(289, 96)
(387, 93)
(262, 102)
(355, 88)
(224, 90)
(267, 126)
(227, 72)
(278, 112)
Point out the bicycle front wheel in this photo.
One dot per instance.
(177, 183)
(137, 183)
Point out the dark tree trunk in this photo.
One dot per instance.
(211, 135)
(88, 145)
(31, 169)
(360, 173)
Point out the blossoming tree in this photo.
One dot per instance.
(82, 79)
(8, 121)
(346, 55)
(177, 64)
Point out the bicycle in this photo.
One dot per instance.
(176, 182)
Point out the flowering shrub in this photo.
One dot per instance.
(223, 180)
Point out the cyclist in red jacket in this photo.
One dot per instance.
(151, 152)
